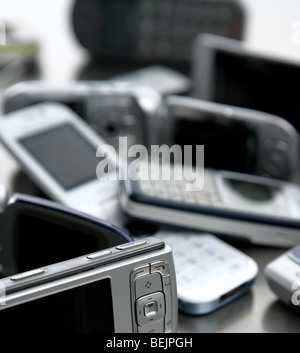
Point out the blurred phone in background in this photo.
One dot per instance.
(152, 30)
(228, 71)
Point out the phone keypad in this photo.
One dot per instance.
(200, 259)
(175, 190)
(166, 28)
(151, 287)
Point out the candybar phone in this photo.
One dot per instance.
(152, 30)
(209, 272)
(57, 150)
(113, 109)
(241, 206)
(126, 288)
(235, 139)
(231, 72)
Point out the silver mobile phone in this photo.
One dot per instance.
(234, 138)
(112, 108)
(66, 271)
(58, 151)
(126, 288)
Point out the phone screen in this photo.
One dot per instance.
(84, 309)
(252, 191)
(257, 83)
(65, 153)
(228, 145)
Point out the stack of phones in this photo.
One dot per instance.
(78, 143)
(64, 270)
(74, 165)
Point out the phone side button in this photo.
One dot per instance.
(98, 255)
(131, 244)
(27, 274)
(167, 286)
(140, 271)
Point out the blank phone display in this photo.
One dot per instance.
(65, 153)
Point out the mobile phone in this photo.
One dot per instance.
(112, 108)
(57, 149)
(38, 232)
(236, 139)
(153, 30)
(126, 288)
(209, 272)
(282, 275)
(262, 143)
(241, 206)
(231, 72)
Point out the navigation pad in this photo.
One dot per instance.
(152, 298)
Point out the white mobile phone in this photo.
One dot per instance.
(209, 272)
(247, 207)
(57, 149)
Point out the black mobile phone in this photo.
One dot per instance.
(38, 232)
(152, 30)
(229, 71)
